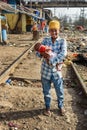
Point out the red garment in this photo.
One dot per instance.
(43, 24)
(34, 28)
(42, 48)
(4, 1)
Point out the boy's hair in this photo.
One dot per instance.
(54, 24)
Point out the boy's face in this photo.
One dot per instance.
(54, 33)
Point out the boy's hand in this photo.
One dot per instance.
(48, 48)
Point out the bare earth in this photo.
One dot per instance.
(21, 102)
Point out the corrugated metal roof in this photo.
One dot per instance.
(18, 8)
(7, 7)
(28, 11)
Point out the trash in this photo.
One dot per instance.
(10, 124)
(67, 62)
(80, 93)
(8, 81)
(85, 112)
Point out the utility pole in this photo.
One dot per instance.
(67, 4)
(43, 4)
(82, 16)
(54, 11)
(20, 2)
(30, 3)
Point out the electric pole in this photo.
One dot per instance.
(82, 16)
(54, 11)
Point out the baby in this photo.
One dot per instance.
(42, 48)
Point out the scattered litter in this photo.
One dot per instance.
(85, 112)
(8, 81)
(10, 124)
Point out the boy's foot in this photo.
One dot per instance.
(47, 112)
(62, 111)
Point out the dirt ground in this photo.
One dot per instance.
(21, 101)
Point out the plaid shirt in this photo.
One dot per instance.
(60, 48)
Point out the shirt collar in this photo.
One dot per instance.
(56, 39)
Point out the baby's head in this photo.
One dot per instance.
(40, 48)
(37, 46)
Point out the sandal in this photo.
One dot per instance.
(62, 111)
(47, 113)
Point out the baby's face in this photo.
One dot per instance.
(54, 33)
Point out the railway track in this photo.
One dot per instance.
(25, 75)
(79, 66)
(9, 68)
(78, 70)
(81, 76)
(23, 90)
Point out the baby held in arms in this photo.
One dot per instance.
(43, 50)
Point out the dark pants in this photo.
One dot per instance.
(35, 35)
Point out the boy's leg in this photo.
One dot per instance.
(46, 85)
(58, 84)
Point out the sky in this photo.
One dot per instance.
(74, 13)
(66, 11)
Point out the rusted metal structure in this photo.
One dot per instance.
(58, 3)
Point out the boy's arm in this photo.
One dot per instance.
(61, 56)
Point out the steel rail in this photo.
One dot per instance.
(10, 69)
(79, 79)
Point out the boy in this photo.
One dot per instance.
(50, 73)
